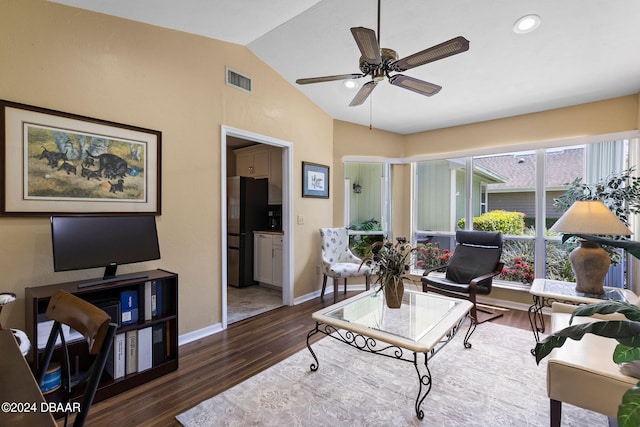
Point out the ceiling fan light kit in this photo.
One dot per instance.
(378, 63)
(350, 84)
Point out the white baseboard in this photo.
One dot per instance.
(328, 291)
(199, 334)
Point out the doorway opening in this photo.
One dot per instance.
(243, 297)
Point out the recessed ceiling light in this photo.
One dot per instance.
(526, 24)
(350, 84)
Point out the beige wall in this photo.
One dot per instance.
(95, 65)
(596, 118)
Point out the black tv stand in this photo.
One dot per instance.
(105, 280)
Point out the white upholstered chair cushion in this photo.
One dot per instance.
(338, 262)
(337, 259)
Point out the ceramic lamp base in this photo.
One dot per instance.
(590, 264)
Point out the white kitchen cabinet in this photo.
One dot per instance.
(267, 260)
(277, 260)
(262, 161)
(262, 258)
(252, 161)
(275, 176)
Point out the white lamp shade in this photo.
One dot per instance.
(590, 217)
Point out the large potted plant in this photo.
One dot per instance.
(391, 263)
(626, 332)
(620, 192)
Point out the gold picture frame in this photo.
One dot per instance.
(54, 162)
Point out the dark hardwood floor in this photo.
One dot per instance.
(218, 362)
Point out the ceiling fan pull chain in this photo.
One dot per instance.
(371, 112)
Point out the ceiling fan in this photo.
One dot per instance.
(379, 62)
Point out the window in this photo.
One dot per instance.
(510, 180)
(367, 203)
(514, 193)
(440, 189)
(591, 164)
(484, 203)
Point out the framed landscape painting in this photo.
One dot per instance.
(315, 180)
(54, 162)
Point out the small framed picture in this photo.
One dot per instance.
(315, 180)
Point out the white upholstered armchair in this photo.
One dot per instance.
(338, 262)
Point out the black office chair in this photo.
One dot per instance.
(470, 271)
(94, 325)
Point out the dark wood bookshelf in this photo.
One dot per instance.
(37, 300)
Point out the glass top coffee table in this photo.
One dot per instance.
(423, 324)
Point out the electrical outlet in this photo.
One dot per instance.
(318, 270)
(300, 220)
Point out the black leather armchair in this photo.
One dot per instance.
(470, 271)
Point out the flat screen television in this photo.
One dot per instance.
(92, 241)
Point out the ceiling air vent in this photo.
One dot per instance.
(238, 80)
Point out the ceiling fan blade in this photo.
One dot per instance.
(363, 93)
(415, 85)
(434, 53)
(329, 78)
(368, 44)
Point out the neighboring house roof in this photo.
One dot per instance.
(485, 175)
(519, 169)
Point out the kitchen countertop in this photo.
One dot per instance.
(278, 232)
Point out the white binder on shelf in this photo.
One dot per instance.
(145, 349)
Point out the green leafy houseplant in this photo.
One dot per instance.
(620, 192)
(360, 244)
(391, 263)
(626, 332)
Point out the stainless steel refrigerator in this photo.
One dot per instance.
(247, 200)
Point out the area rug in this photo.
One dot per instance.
(494, 383)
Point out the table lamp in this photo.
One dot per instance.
(589, 261)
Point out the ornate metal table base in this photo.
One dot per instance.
(535, 316)
(535, 313)
(370, 345)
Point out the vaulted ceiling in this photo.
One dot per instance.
(583, 51)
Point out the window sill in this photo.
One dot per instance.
(503, 284)
(514, 286)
